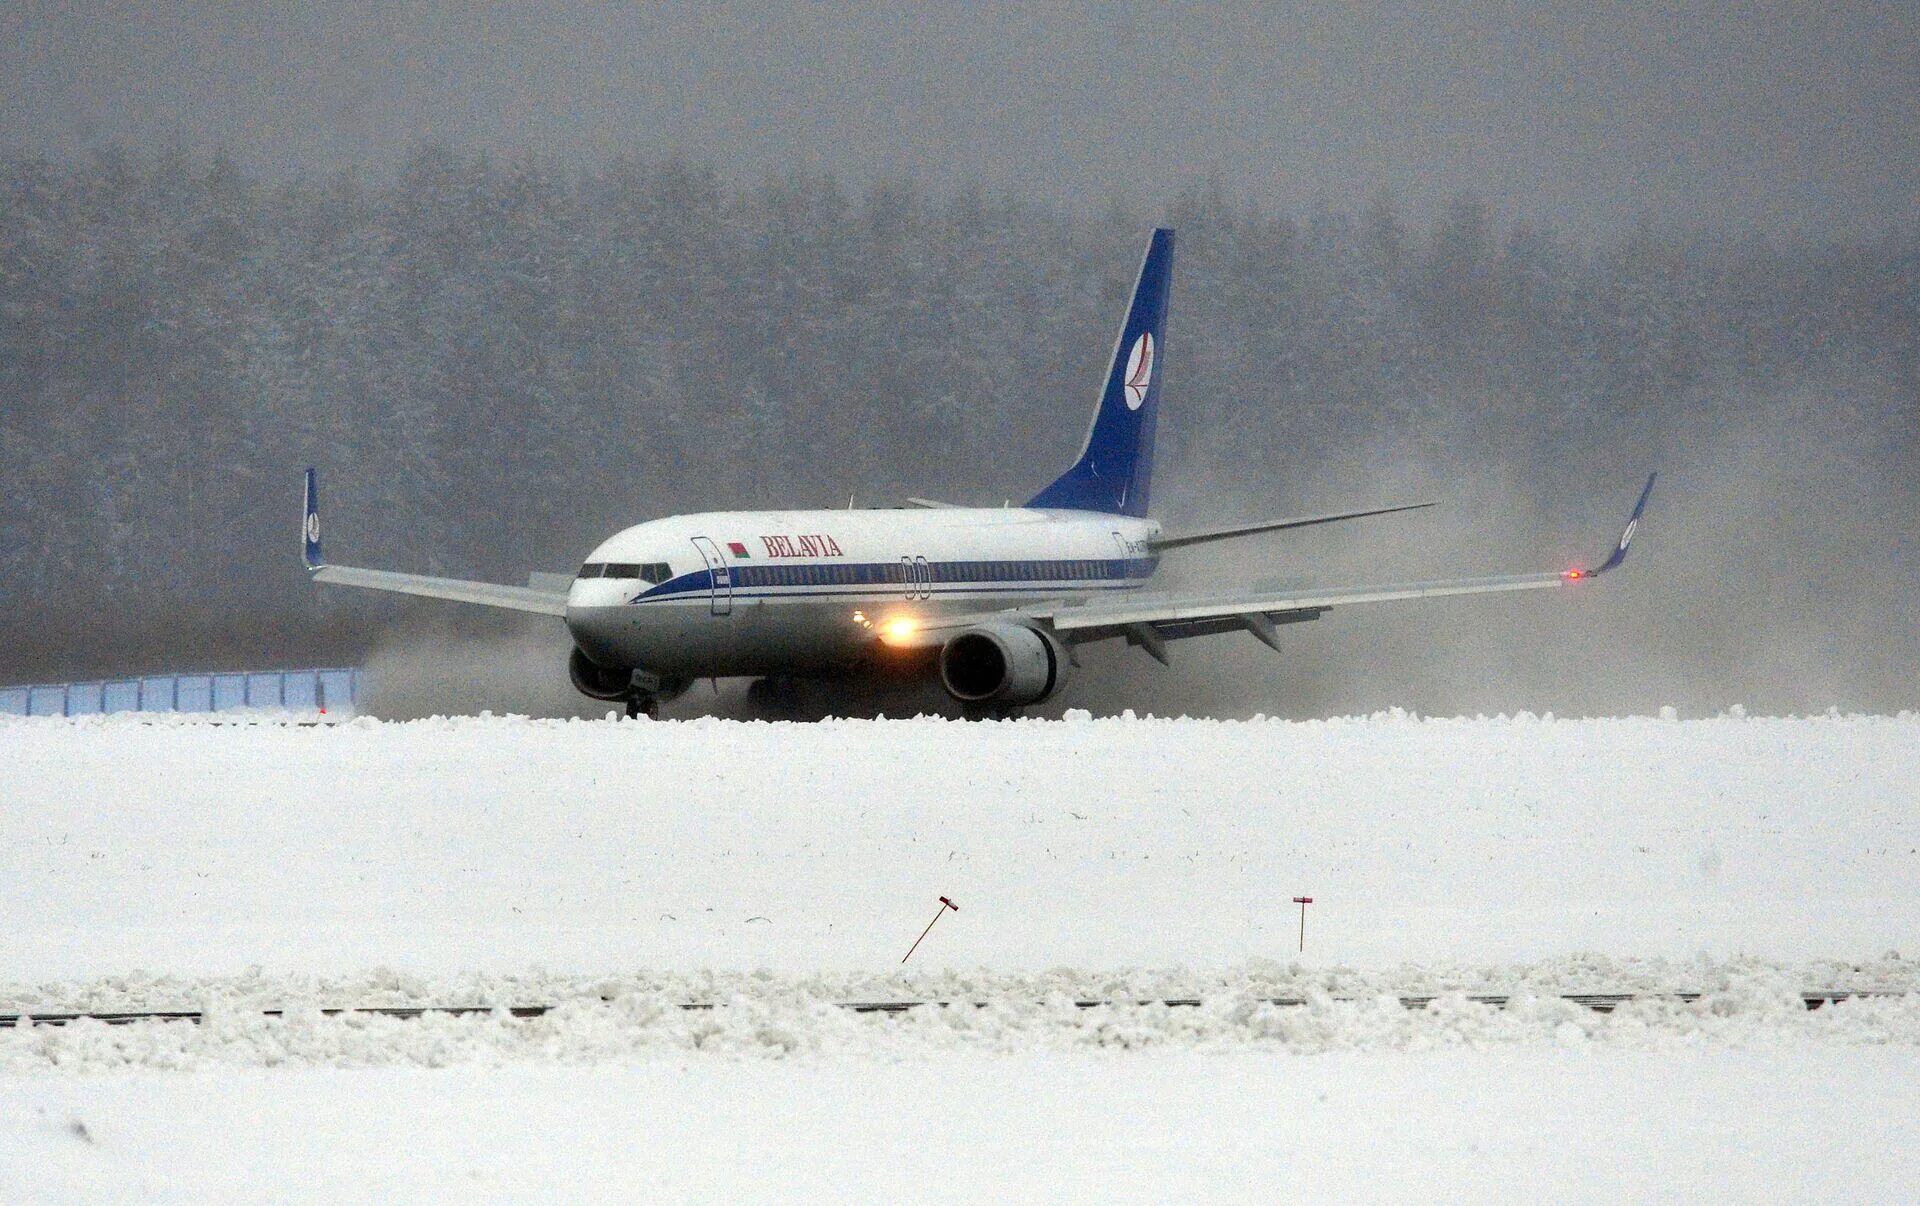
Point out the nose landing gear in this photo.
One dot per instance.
(640, 690)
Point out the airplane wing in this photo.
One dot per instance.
(487, 594)
(1152, 620)
(539, 598)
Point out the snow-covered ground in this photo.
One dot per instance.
(625, 869)
(1501, 1125)
(501, 844)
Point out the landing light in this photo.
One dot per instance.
(900, 629)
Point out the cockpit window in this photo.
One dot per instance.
(654, 572)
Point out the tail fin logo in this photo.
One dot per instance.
(313, 527)
(1139, 371)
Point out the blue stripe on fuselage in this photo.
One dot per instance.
(946, 577)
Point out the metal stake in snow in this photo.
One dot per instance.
(945, 904)
(1303, 902)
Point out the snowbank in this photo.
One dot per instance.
(641, 1017)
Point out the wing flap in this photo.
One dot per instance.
(1182, 540)
(1178, 609)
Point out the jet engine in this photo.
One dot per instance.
(1003, 663)
(596, 681)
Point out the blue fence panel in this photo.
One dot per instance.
(229, 691)
(86, 699)
(300, 690)
(156, 694)
(263, 690)
(335, 690)
(196, 693)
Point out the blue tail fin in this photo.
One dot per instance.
(1116, 465)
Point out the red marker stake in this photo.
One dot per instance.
(945, 904)
(1303, 902)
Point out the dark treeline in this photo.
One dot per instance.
(498, 361)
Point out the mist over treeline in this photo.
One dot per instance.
(497, 361)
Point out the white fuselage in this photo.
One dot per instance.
(808, 592)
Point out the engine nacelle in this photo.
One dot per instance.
(1003, 663)
(596, 681)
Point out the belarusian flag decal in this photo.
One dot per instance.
(737, 549)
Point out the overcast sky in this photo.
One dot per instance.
(1587, 115)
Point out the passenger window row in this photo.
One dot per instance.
(815, 575)
(860, 575)
(939, 571)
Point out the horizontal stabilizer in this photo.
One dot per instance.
(1162, 543)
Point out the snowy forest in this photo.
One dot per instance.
(497, 361)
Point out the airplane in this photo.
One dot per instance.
(995, 601)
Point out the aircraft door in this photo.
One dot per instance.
(721, 573)
(916, 576)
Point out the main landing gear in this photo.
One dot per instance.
(990, 711)
(640, 703)
(775, 698)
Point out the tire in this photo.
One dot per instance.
(988, 711)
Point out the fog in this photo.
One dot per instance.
(513, 283)
(1794, 116)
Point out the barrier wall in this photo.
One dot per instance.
(325, 690)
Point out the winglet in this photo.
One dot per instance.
(1619, 553)
(310, 522)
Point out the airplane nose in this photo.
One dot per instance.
(594, 614)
